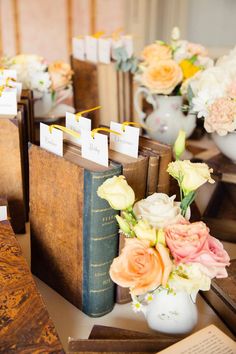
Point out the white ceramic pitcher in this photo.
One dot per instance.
(167, 118)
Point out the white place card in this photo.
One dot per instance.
(8, 103)
(78, 48)
(104, 50)
(128, 140)
(91, 48)
(5, 74)
(128, 44)
(95, 149)
(77, 126)
(3, 213)
(51, 141)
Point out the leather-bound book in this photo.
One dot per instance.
(73, 231)
(222, 297)
(28, 95)
(135, 172)
(25, 323)
(12, 184)
(165, 155)
(101, 84)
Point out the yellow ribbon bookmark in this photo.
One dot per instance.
(79, 114)
(64, 129)
(138, 125)
(94, 131)
(6, 85)
(98, 34)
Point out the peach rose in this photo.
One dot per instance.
(155, 52)
(162, 77)
(60, 74)
(192, 243)
(140, 267)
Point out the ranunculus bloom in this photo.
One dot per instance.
(192, 243)
(60, 73)
(155, 52)
(222, 116)
(159, 210)
(190, 175)
(117, 192)
(162, 77)
(140, 267)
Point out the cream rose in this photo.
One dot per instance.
(162, 77)
(190, 175)
(159, 210)
(144, 231)
(117, 192)
(155, 52)
(141, 267)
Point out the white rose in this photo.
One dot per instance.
(159, 210)
(210, 79)
(40, 81)
(189, 278)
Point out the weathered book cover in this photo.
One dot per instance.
(165, 155)
(73, 231)
(25, 323)
(222, 297)
(28, 95)
(135, 172)
(12, 170)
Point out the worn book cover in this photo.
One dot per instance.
(25, 323)
(12, 176)
(73, 231)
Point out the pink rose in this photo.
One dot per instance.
(141, 267)
(192, 243)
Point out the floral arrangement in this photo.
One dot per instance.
(163, 249)
(165, 68)
(213, 95)
(36, 74)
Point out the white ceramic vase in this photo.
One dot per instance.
(167, 118)
(171, 313)
(226, 144)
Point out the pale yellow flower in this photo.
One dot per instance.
(190, 175)
(117, 192)
(155, 52)
(144, 231)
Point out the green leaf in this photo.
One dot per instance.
(190, 94)
(187, 200)
(193, 59)
(126, 66)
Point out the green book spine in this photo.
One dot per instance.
(100, 245)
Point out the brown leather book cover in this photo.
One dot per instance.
(107, 332)
(85, 87)
(11, 170)
(28, 95)
(101, 84)
(222, 297)
(135, 172)
(71, 227)
(26, 326)
(165, 154)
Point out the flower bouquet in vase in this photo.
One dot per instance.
(50, 83)
(162, 77)
(166, 259)
(212, 95)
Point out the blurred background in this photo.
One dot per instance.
(46, 27)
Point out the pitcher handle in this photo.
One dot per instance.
(149, 99)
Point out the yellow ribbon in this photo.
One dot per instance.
(64, 129)
(138, 125)
(2, 87)
(79, 114)
(94, 131)
(98, 34)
